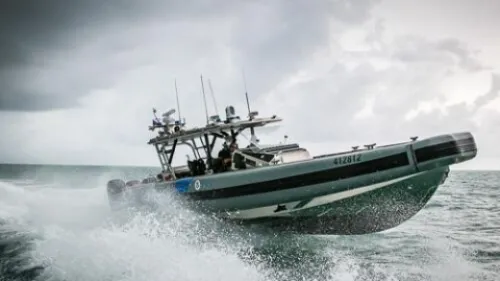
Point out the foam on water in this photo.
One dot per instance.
(79, 240)
(75, 236)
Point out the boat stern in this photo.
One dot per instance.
(121, 193)
(115, 189)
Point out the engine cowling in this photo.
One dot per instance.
(115, 186)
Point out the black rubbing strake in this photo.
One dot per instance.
(445, 149)
(333, 174)
(339, 173)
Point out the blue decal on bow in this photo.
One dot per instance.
(182, 185)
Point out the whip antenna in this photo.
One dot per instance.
(204, 97)
(177, 97)
(213, 96)
(246, 93)
(250, 116)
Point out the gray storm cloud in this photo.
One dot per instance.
(102, 65)
(35, 34)
(45, 61)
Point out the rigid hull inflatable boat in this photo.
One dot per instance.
(282, 188)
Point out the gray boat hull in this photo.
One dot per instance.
(355, 192)
(368, 209)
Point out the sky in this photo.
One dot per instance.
(78, 79)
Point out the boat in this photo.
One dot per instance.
(283, 188)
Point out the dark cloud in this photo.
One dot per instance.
(32, 32)
(30, 27)
(22, 101)
(35, 34)
(269, 39)
(115, 60)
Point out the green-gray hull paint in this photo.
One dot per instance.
(323, 196)
(277, 197)
(370, 212)
(229, 182)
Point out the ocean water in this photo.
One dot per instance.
(55, 224)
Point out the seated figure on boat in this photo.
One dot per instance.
(225, 158)
(239, 160)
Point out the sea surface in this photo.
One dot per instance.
(55, 224)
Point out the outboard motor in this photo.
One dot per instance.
(116, 186)
(115, 189)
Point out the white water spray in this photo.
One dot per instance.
(77, 237)
(80, 239)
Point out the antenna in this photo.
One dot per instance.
(250, 116)
(204, 98)
(177, 97)
(213, 96)
(246, 93)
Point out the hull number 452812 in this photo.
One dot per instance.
(347, 159)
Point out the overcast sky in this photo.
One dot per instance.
(79, 78)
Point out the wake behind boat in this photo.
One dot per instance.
(283, 188)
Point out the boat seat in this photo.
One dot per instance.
(267, 157)
(197, 167)
(295, 155)
(217, 165)
(238, 162)
(287, 153)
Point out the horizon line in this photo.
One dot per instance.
(155, 166)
